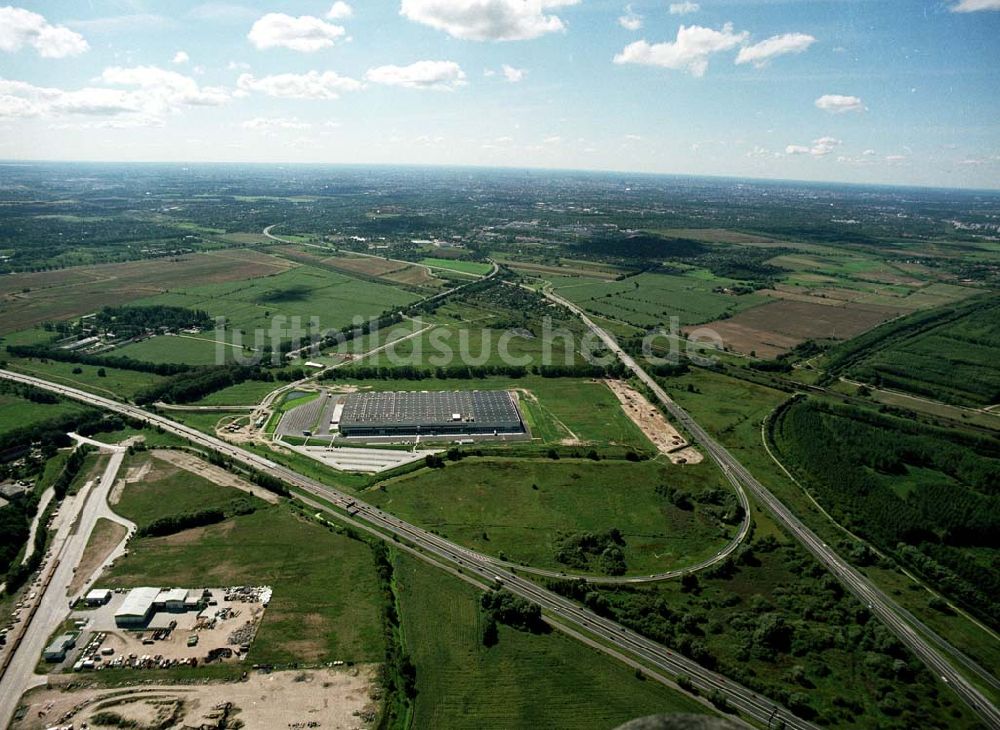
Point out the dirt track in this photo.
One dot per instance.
(217, 475)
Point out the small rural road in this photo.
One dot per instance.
(918, 637)
(68, 547)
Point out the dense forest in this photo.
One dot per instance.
(927, 495)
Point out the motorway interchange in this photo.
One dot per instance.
(607, 635)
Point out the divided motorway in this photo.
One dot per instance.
(748, 703)
(918, 637)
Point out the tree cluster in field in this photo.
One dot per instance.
(853, 458)
(172, 524)
(503, 607)
(398, 673)
(15, 519)
(130, 321)
(721, 504)
(52, 433)
(603, 551)
(780, 639)
(27, 392)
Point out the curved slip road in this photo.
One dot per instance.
(895, 617)
(747, 702)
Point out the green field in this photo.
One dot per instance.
(326, 601)
(649, 300)
(118, 384)
(189, 349)
(16, 412)
(166, 490)
(524, 509)
(303, 292)
(247, 393)
(525, 680)
(465, 267)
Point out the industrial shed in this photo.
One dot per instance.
(446, 413)
(137, 608)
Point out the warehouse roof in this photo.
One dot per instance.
(489, 408)
(138, 602)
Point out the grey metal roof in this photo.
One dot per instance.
(484, 408)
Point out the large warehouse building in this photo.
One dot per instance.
(451, 413)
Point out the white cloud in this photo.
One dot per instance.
(820, 147)
(310, 85)
(690, 51)
(488, 20)
(631, 20)
(266, 124)
(869, 153)
(238, 66)
(895, 158)
(839, 104)
(168, 88)
(154, 93)
(437, 75)
(633, 137)
(761, 53)
(180, 57)
(339, 10)
(513, 75)
(20, 27)
(971, 6)
(555, 139)
(684, 8)
(305, 33)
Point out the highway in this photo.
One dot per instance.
(750, 704)
(880, 604)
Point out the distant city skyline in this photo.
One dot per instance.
(864, 91)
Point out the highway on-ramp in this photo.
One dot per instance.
(748, 703)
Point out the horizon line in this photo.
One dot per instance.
(14, 162)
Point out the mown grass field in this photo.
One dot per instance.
(648, 300)
(167, 490)
(525, 680)
(523, 508)
(247, 393)
(326, 598)
(190, 349)
(464, 267)
(303, 292)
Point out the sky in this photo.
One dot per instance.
(868, 91)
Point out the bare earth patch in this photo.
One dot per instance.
(651, 422)
(332, 698)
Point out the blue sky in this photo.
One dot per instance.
(888, 91)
